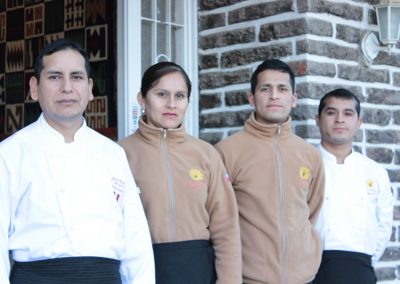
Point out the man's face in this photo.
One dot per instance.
(64, 89)
(338, 121)
(273, 98)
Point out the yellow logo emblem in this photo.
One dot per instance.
(196, 174)
(305, 173)
(370, 183)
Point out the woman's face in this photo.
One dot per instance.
(165, 104)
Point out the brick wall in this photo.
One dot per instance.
(320, 40)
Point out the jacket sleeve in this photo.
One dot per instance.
(137, 265)
(384, 215)
(5, 203)
(224, 224)
(316, 194)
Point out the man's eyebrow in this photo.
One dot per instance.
(78, 72)
(53, 72)
(272, 84)
(335, 109)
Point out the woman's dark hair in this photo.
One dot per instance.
(58, 45)
(155, 72)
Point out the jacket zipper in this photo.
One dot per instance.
(169, 185)
(282, 192)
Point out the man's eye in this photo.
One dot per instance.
(54, 77)
(161, 94)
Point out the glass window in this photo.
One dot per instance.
(162, 31)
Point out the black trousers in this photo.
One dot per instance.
(185, 262)
(344, 267)
(68, 270)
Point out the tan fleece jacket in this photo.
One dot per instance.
(186, 193)
(278, 180)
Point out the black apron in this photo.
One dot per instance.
(345, 267)
(185, 262)
(67, 270)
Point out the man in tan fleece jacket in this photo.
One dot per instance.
(278, 180)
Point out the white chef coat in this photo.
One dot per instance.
(358, 206)
(62, 199)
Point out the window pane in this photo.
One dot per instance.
(146, 45)
(162, 10)
(177, 11)
(162, 40)
(177, 44)
(146, 8)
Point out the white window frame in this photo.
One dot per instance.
(129, 65)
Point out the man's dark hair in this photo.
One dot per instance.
(58, 45)
(272, 64)
(341, 94)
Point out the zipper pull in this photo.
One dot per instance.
(278, 130)
(164, 134)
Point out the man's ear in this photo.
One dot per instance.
(294, 103)
(250, 98)
(360, 121)
(317, 120)
(91, 84)
(33, 88)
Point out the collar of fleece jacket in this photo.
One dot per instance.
(262, 130)
(154, 135)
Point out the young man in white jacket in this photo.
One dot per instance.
(356, 216)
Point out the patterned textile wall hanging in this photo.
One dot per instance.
(28, 25)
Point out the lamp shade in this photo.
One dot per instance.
(388, 14)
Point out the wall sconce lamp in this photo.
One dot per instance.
(388, 16)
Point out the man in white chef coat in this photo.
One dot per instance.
(70, 211)
(356, 216)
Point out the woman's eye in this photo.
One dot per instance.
(77, 77)
(181, 96)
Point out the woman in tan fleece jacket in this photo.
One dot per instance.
(187, 196)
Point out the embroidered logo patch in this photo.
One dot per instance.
(372, 190)
(196, 179)
(370, 183)
(118, 188)
(305, 173)
(196, 174)
(305, 178)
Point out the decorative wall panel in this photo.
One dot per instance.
(27, 26)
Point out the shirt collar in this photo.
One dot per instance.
(57, 136)
(332, 158)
